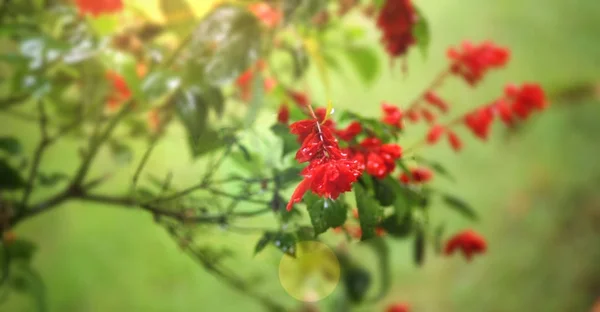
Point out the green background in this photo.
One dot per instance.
(536, 190)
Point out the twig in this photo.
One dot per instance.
(436, 83)
(37, 156)
(144, 160)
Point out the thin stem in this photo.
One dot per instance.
(144, 160)
(37, 156)
(436, 83)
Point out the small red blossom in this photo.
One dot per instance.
(120, 92)
(525, 99)
(480, 121)
(350, 132)
(398, 307)
(504, 111)
(300, 98)
(433, 99)
(283, 115)
(392, 115)
(268, 15)
(378, 159)
(428, 115)
(413, 115)
(396, 20)
(468, 242)
(99, 7)
(454, 141)
(472, 62)
(418, 175)
(435, 133)
(244, 82)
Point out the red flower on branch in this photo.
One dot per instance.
(428, 115)
(98, 7)
(454, 141)
(417, 175)
(433, 99)
(472, 62)
(435, 133)
(396, 21)
(398, 307)
(468, 242)
(120, 92)
(525, 99)
(378, 159)
(283, 115)
(480, 121)
(268, 15)
(350, 132)
(392, 115)
(244, 82)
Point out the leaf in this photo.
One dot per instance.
(384, 191)
(419, 246)
(263, 242)
(326, 213)
(104, 25)
(357, 281)
(10, 145)
(178, 15)
(365, 62)
(10, 179)
(51, 179)
(421, 32)
(21, 249)
(369, 211)
(225, 43)
(285, 242)
(460, 206)
(158, 84)
(257, 100)
(288, 176)
(438, 237)
(438, 168)
(192, 109)
(289, 140)
(121, 153)
(382, 252)
(398, 227)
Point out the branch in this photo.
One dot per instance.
(37, 156)
(436, 83)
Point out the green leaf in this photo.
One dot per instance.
(437, 168)
(192, 109)
(285, 242)
(419, 246)
(158, 83)
(178, 14)
(378, 3)
(460, 206)
(263, 242)
(257, 100)
(383, 263)
(121, 153)
(398, 227)
(438, 237)
(10, 179)
(51, 179)
(365, 62)
(104, 25)
(10, 145)
(288, 176)
(369, 211)
(384, 191)
(225, 44)
(421, 32)
(326, 213)
(290, 143)
(357, 281)
(21, 249)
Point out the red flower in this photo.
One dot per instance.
(419, 175)
(378, 159)
(266, 14)
(396, 20)
(348, 134)
(413, 115)
(428, 115)
(283, 115)
(398, 307)
(433, 99)
(120, 92)
(505, 112)
(301, 99)
(98, 7)
(469, 242)
(392, 115)
(455, 141)
(472, 62)
(435, 133)
(480, 121)
(525, 99)
(244, 81)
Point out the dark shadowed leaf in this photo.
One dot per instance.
(263, 242)
(438, 238)
(385, 191)
(461, 206)
(382, 252)
(419, 246)
(357, 281)
(326, 213)
(369, 211)
(398, 227)
(10, 179)
(421, 32)
(286, 242)
(21, 249)
(10, 145)
(288, 176)
(365, 61)
(121, 153)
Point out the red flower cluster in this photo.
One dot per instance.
(376, 158)
(417, 175)
(433, 99)
(398, 307)
(266, 14)
(120, 92)
(521, 102)
(396, 20)
(98, 7)
(283, 115)
(392, 115)
(329, 172)
(469, 242)
(348, 134)
(480, 121)
(472, 62)
(244, 81)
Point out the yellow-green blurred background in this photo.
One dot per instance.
(536, 190)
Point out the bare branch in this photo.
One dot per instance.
(37, 156)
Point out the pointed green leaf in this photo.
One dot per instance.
(384, 191)
(382, 252)
(357, 281)
(326, 213)
(398, 227)
(263, 242)
(460, 206)
(369, 211)
(10, 179)
(10, 145)
(419, 246)
(365, 62)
